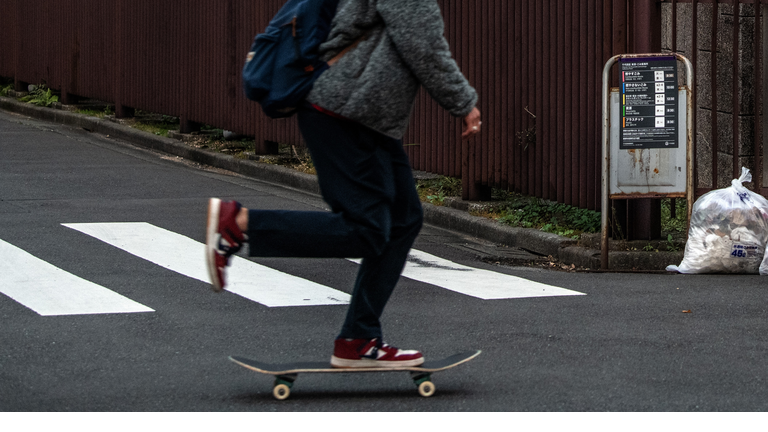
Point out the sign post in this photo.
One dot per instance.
(647, 133)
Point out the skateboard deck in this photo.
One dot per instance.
(287, 373)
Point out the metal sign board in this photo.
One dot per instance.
(649, 109)
(644, 172)
(647, 134)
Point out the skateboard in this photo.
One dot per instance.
(286, 374)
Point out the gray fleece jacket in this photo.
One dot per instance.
(376, 82)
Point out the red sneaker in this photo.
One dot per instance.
(223, 238)
(362, 353)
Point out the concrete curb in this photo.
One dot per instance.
(563, 249)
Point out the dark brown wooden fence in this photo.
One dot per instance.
(180, 58)
(536, 64)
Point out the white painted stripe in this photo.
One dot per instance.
(186, 256)
(49, 290)
(484, 284)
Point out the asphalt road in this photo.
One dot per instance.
(615, 342)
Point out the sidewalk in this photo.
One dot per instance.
(583, 254)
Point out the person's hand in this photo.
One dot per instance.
(472, 123)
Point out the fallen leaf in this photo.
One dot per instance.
(687, 311)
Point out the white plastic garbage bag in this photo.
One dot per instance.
(728, 232)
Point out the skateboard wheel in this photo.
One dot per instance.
(426, 389)
(281, 391)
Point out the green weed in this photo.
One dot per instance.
(671, 246)
(6, 84)
(557, 218)
(518, 210)
(158, 124)
(41, 96)
(676, 224)
(92, 113)
(435, 191)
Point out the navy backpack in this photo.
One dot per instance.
(283, 63)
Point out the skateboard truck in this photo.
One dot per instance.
(283, 384)
(423, 382)
(282, 387)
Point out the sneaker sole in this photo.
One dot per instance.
(212, 229)
(369, 363)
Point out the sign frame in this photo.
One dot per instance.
(606, 150)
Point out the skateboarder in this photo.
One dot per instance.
(353, 122)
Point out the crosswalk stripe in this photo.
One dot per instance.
(277, 289)
(483, 284)
(183, 255)
(49, 290)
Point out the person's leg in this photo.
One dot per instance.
(360, 342)
(376, 214)
(355, 180)
(367, 180)
(379, 274)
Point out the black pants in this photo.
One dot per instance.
(376, 215)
